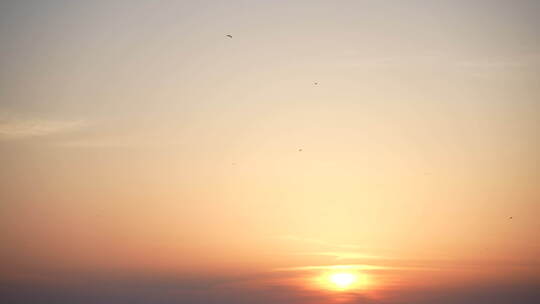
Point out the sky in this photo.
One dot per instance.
(329, 152)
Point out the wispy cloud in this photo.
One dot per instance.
(345, 255)
(334, 267)
(442, 60)
(24, 128)
(97, 143)
(316, 242)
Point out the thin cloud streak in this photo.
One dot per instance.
(338, 267)
(17, 128)
(348, 255)
(317, 242)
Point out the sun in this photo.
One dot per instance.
(343, 280)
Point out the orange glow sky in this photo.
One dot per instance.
(148, 158)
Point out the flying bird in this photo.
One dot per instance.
(510, 218)
(315, 83)
(299, 150)
(230, 36)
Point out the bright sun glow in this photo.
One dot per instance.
(343, 280)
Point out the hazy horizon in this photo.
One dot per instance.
(147, 157)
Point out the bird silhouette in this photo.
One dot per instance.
(299, 150)
(510, 218)
(230, 36)
(315, 83)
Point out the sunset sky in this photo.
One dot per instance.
(329, 152)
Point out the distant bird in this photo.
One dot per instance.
(230, 36)
(315, 83)
(299, 150)
(510, 218)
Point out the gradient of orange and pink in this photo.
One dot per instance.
(146, 157)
